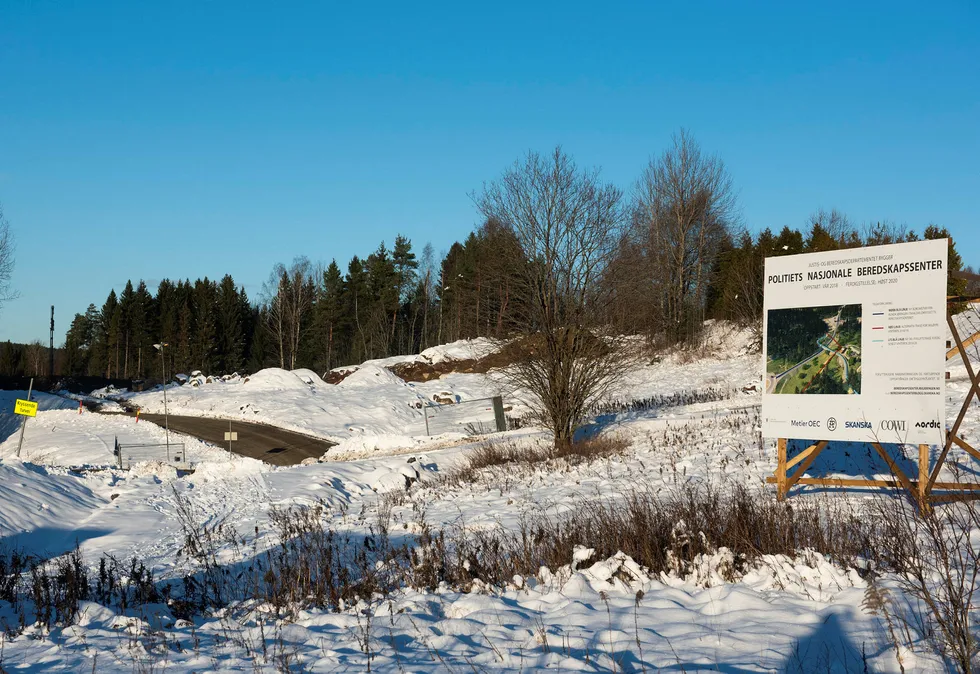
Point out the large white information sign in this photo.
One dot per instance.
(854, 344)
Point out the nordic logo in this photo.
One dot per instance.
(927, 424)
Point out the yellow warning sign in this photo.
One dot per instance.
(26, 408)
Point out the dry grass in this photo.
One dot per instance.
(664, 533)
(494, 452)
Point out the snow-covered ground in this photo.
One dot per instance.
(784, 614)
(371, 401)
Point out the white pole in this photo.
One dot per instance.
(23, 427)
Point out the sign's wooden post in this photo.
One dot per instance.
(923, 495)
(781, 471)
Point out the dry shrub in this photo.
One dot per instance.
(48, 592)
(936, 557)
(659, 532)
(598, 447)
(495, 452)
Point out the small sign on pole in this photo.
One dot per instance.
(230, 435)
(25, 408)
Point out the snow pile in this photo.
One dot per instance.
(160, 470)
(43, 510)
(371, 401)
(464, 349)
(782, 613)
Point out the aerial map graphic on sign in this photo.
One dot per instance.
(814, 350)
(854, 344)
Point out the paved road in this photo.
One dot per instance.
(259, 441)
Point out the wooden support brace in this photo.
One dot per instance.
(969, 341)
(896, 471)
(962, 444)
(854, 482)
(802, 455)
(974, 390)
(816, 449)
(954, 498)
(922, 495)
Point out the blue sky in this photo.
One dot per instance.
(183, 139)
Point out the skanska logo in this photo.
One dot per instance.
(857, 424)
(927, 424)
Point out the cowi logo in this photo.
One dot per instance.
(892, 425)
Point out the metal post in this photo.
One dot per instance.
(425, 415)
(498, 414)
(23, 426)
(229, 436)
(51, 347)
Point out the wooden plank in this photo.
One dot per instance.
(896, 471)
(799, 457)
(969, 341)
(851, 482)
(954, 498)
(923, 495)
(841, 482)
(962, 444)
(795, 477)
(974, 389)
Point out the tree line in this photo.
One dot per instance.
(737, 279)
(673, 254)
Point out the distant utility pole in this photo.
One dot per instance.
(166, 413)
(51, 347)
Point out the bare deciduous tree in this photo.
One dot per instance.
(685, 202)
(289, 293)
(567, 224)
(884, 232)
(835, 228)
(6, 260)
(35, 353)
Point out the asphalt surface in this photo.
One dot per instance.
(259, 441)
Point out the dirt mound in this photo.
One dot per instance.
(337, 376)
(423, 371)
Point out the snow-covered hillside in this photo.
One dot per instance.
(784, 613)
